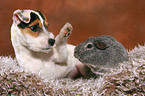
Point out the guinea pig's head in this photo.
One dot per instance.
(101, 51)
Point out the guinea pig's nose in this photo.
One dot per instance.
(51, 42)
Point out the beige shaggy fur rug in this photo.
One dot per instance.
(128, 79)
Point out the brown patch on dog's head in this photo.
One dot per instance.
(33, 29)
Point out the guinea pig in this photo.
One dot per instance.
(99, 54)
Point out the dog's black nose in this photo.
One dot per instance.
(51, 42)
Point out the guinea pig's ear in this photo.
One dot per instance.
(100, 45)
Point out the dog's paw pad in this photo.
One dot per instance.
(66, 30)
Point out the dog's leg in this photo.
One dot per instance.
(61, 40)
(66, 30)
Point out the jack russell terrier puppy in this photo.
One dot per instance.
(36, 49)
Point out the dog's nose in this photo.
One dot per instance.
(51, 42)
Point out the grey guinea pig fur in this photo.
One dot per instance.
(99, 54)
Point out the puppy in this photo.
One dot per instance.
(36, 49)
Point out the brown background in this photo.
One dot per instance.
(123, 19)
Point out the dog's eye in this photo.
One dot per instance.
(35, 28)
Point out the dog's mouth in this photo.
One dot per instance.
(45, 48)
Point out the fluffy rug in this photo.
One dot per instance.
(128, 79)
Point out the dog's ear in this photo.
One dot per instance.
(42, 14)
(21, 15)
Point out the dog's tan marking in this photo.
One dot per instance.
(46, 24)
(35, 22)
(27, 30)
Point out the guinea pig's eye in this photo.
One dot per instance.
(35, 28)
(89, 46)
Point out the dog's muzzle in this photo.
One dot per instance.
(51, 43)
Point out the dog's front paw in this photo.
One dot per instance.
(66, 30)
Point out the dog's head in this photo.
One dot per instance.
(31, 29)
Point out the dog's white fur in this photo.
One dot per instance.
(35, 55)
